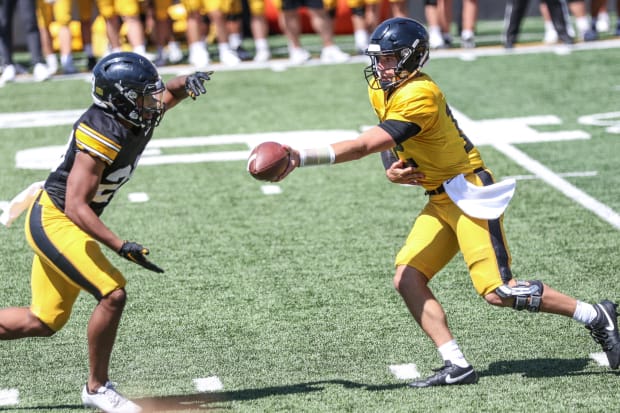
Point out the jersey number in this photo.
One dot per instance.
(116, 179)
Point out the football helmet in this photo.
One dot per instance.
(129, 85)
(406, 40)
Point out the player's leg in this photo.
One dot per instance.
(431, 244)
(62, 15)
(485, 250)
(260, 30)
(513, 15)
(322, 23)
(468, 19)
(216, 10)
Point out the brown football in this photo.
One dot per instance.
(267, 161)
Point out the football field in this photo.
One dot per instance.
(279, 297)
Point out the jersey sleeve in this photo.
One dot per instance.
(88, 138)
(419, 108)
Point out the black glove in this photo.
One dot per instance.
(194, 84)
(136, 253)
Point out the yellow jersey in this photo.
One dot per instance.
(440, 150)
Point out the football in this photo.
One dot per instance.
(267, 161)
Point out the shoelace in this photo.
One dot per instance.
(115, 398)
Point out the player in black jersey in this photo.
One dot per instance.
(63, 225)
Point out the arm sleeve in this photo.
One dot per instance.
(388, 158)
(400, 130)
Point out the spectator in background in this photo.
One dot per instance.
(85, 8)
(27, 13)
(398, 8)
(60, 12)
(582, 22)
(128, 11)
(431, 12)
(216, 11)
(600, 19)
(515, 11)
(467, 25)
(321, 23)
(168, 50)
(258, 26)
(364, 19)
(44, 19)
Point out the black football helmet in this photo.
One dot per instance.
(404, 38)
(129, 85)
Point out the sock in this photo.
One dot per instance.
(549, 26)
(582, 23)
(584, 313)
(140, 49)
(224, 48)
(88, 49)
(450, 351)
(261, 44)
(66, 60)
(361, 39)
(467, 34)
(234, 39)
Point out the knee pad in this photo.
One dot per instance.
(526, 294)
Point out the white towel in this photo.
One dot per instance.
(485, 202)
(20, 203)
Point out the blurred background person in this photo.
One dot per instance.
(582, 22)
(322, 24)
(58, 11)
(116, 12)
(515, 12)
(196, 32)
(364, 19)
(159, 25)
(27, 14)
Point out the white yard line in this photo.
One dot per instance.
(565, 187)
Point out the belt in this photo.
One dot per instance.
(440, 189)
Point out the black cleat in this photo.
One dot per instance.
(243, 54)
(92, 61)
(604, 330)
(448, 375)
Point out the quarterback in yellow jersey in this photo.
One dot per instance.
(63, 225)
(421, 144)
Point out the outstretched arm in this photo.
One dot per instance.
(373, 140)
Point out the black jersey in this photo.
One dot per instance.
(100, 134)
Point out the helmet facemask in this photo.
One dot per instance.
(129, 86)
(140, 108)
(389, 77)
(398, 49)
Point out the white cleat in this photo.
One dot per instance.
(40, 72)
(109, 400)
(333, 54)
(8, 75)
(298, 56)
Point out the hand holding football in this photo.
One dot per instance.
(268, 161)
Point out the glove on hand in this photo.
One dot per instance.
(194, 84)
(136, 253)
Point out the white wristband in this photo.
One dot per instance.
(317, 156)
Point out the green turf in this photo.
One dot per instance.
(288, 298)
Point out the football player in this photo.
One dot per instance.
(421, 144)
(63, 225)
